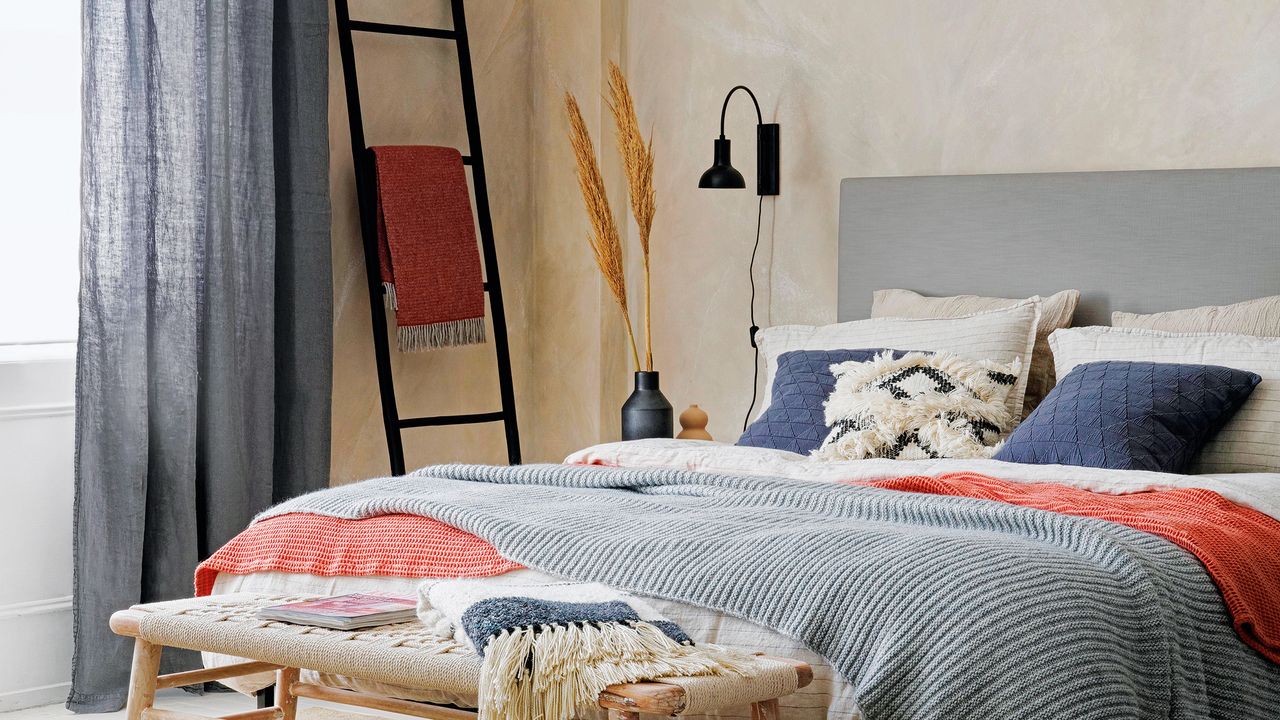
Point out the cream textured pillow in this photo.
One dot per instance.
(917, 407)
(1001, 336)
(1250, 441)
(1259, 317)
(1056, 311)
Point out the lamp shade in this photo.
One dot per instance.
(722, 174)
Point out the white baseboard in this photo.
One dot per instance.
(34, 697)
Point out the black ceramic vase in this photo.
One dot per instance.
(646, 414)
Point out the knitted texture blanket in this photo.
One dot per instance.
(931, 606)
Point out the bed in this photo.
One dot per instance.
(1138, 241)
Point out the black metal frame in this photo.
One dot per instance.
(366, 194)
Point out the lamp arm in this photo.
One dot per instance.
(725, 107)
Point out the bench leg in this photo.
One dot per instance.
(142, 678)
(285, 699)
(765, 710)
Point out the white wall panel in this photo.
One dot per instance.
(37, 446)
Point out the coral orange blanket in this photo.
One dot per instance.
(395, 545)
(1239, 547)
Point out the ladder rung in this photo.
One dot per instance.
(389, 29)
(466, 159)
(485, 287)
(452, 419)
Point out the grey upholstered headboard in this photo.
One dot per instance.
(1140, 241)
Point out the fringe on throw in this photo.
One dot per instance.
(415, 338)
(552, 672)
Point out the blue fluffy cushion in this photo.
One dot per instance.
(803, 381)
(1130, 416)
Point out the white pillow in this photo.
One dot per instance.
(1002, 336)
(1056, 311)
(1259, 317)
(1250, 441)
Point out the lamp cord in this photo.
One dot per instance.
(751, 272)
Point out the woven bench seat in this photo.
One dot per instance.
(404, 654)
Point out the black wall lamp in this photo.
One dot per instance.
(722, 174)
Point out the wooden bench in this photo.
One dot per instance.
(404, 654)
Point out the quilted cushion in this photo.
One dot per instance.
(1250, 441)
(1130, 416)
(803, 381)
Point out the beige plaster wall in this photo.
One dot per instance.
(578, 358)
(909, 87)
(861, 88)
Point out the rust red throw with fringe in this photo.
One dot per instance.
(428, 256)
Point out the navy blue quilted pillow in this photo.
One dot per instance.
(1130, 416)
(803, 381)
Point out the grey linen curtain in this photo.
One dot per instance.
(204, 363)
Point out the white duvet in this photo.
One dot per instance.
(829, 695)
(1260, 491)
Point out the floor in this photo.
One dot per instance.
(211, 705)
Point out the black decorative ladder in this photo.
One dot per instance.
(366, 189)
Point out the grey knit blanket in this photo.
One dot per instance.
(931, 606)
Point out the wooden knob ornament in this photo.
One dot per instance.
(693, 424)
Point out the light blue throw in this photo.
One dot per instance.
(932, 607)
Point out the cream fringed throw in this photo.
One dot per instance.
(549, 649)
(921, 405)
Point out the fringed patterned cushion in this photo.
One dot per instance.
(917, 406)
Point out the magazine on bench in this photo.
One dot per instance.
(345, 612)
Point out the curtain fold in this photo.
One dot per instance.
(205, 346)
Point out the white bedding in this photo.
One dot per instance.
(828, 696)
(1260, 491)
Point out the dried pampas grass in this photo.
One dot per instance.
(637, 160)
(605, 242)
